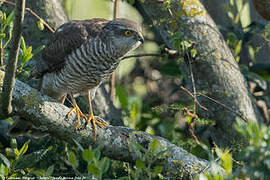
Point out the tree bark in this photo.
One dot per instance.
(115, 142)
(216, 74)
(6, 108)
(263, 8)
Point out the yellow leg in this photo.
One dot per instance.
(91, 118)
(78, 112)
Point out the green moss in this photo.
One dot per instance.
(191, 8)
(31, 100)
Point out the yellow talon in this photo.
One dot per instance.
(79, 115)
(94, 121)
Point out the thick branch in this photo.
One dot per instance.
(12, 58)
(50, 116)
(216, 73)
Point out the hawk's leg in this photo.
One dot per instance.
(91, 118)
(77, 110)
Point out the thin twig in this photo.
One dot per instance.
(115, 15)
(195, 99)
(191, 124)
(226, 107)
(142, 55)
(9, 79)
(33, 13)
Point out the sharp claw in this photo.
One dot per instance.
(94, 121)
(79, 115)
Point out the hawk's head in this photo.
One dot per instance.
(124, 35)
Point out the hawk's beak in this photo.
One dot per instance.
(140, 38)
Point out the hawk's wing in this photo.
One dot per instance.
(66, 39)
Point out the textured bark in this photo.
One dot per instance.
(115, 142)
(216, 73)
(9, 80)
(263, 8)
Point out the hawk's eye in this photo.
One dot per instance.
(128, 33)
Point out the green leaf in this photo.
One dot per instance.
(78, 144)
(72, 158)
(10, 18)
(135, 110)
(13, 143)
(50, 170)
(238, 48)
(158, 169)
(92, 169)
(97, 153)
(170, 69)
(88, 155)
(23, 45)
(105, 164)
(154, 145)
(24, 148)
(5, 160)
(40, 25)
(17, 152)
(226, 159)
(37, 50)
(122, 95)
(2, 35)
(3, 19)
(139, 164)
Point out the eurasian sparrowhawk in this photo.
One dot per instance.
(82, 54)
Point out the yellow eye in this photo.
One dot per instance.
(128, 33)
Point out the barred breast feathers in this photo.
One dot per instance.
(86, 67)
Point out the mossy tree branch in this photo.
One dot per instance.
(115, 142)
(9, 80)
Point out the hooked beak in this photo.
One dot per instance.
(140, 38)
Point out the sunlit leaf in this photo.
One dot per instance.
(50, 170)
(5, 160)
(40, 25)
(122, 95)
(92, 169)
(105, 164)
(23, 45)
(88, 155)
(37, 50)
(72, 158)
(158, 169)
(154, 145)
(24, 148)
(139, 164)
(10, 18)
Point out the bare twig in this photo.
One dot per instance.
(226, 107)
(142, 55)
(9, 79)
(191, 124)
(195, 99)
(33, 13)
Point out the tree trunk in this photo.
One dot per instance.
(216, 74)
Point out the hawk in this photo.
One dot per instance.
(81, 55)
